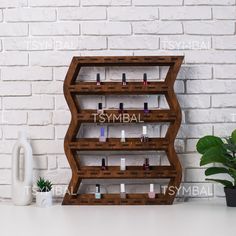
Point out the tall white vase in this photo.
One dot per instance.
(22, 189)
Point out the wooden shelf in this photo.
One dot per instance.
(116, 88)
(160, 115)
(114, 199)
(131, 172)
(114, 144)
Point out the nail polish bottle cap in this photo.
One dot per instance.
(97, 188)
(122, 188)
(100, 106)
(145, 106)
(122, 133)
(98, 77)
(151, 188)
(103, 162)
(121, 106)
(122, 159)
(123, 77)
(144, 130)
(145, 77)
(146, 161)
(102, 132)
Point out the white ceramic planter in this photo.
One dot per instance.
(44, 199)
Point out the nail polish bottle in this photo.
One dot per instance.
(123, 79)
(100, 110)
(98, 79)
(97, 192)
(102, 137)
(145, 110)
(122, 136)
(145, 79)
(121, 108)
(103, 167)
(146, 165)
(122, 191)
(144, 137)
(122, 164)
(151, 194)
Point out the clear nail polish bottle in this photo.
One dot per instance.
(98, 79)
(151, 193)
(100, 110)
(124, 79)
(144, 137)
(145, 110)
(145, 79)
(122, 191)
(102, 137)
(122, 136)
(103, 167)
(97, 192)
(146, 165)
(122, 164)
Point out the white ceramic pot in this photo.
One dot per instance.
(44, 199)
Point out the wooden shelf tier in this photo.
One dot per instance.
(131, 172)
(89, 144)
(114, 199)
(160, 115)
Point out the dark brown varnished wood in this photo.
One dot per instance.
(72, 88)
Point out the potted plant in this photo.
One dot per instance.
(44, 193)
(223, 152)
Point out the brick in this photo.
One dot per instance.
(185, 13)
(13, 3)
(47, 87)
(16, 29)
(28, 44)
(61, 103)
(158, 27)
(51, 58)
(29, 14)
(105, 2)
(135, 42)
(211, 86)
(81, 43)
(185, 42)
(53, 3)
(209, 2)
(14, 117)
(5, 176)
(224, 42)
(132, 14)
(6, 147)
(26, 103)
(224, 72)
(195, 131)
(61, 131)
(61, 118)
(195, 72)
(52, 162)
(211, 116)
(15, 89)
(106, 28)
(13, 59)
(34, 132)
(60, 73)
(57, 28)
(26, 73)
(157, 2)
(223, 100)
(5, 161)
(224, 13)
(195, 175)
(220, 57)
(47, 147)
(194, 101)
(39, 117)
(224, 132)
(85, 13)
(40, 162)
(62, 162)
(209, 27)
(191, 147)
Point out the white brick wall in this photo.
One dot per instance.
(39, 37)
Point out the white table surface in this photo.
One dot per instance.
(202, 217)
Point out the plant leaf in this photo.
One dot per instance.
(216, 170)
(207, 142)
(214, 154)
(226, 183)
(232, 172)
(233, 136)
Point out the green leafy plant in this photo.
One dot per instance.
(221, 151)
(44, 185)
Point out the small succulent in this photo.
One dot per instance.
(44, 185)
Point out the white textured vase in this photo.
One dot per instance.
(22, 189)
(44, 199)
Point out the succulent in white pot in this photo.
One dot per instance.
(44, 193)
